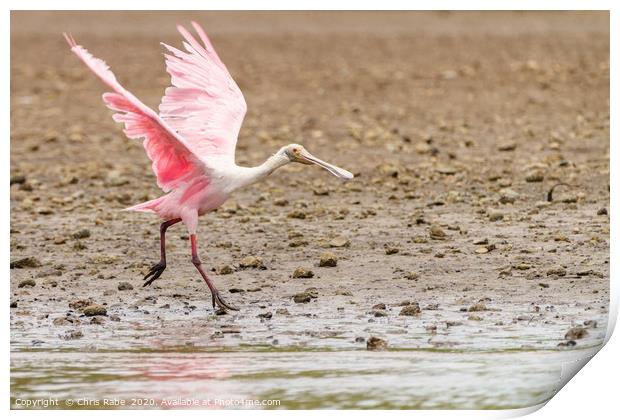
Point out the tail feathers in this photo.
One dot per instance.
(147, 206)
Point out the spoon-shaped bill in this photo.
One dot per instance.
(333, 169)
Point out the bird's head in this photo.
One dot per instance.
(297, 153)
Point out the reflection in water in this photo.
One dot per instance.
(326, 379)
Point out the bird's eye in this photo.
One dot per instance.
(295, 150)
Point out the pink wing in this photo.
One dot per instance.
(173, 159)
(204, 105)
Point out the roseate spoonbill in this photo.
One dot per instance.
(191, 142)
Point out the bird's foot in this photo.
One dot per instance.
(216, 299)
(154, 273)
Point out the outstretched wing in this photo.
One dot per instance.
(173, 159)
(204, 104)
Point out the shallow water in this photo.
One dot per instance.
(289, 378)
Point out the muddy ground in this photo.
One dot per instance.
(456, 126)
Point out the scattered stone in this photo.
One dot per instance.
(376, 343)
(123, 285)
(224, 269)
(97, 320)
(477, 307)
(282, 311)
(569, 343)
(507, 147)
(536, 175)
(412, 309)
(328, 259)
(80, 304)
(481, 241)
(73, 335)
(265, 315)
(391, 249)
(447, 170)
(81, 234)
(473, 317)
(281, 202)
(590, 324)
(380, 306)
(602, 212)
(62, 321)
(437, 233)
(18, 179)
(230, 329)
(297, 214)
(576, 333)
(252, 262)
(495, 215)
(508, 196)
(379, 313)
(236, 290)
(544, 285)
(13, 304)
(95, 309)
(341, 291)
(27, 283)
(302, 273)
(298, 242)
(303, 297)
(28, 262)
(556, 271)
(412, 275)
(339, 242)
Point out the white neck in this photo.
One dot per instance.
(249, 176)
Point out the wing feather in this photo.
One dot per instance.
(204, 105)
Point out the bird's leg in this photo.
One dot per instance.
(159, 268)
(216, 299)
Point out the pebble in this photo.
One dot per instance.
(27, 283)
(536, 175)
(252, 262)
(410, 310)
(391, 249)
(80, 304)
(224, 269)
(123, 285)
(28, 262)
(477, 307)
(95, 309)
(328, 259)
(602, 212)
(73, 335)
(297, 214)
(18, 179)
(412, 275)
(282, 311)
(556, 271)
(508, 196)
(81, 234)
(265, 315)
(576, 333)
(236, 290)
(507, 147)
(495, 215)
(302, 273)
(339, 242)
(376, 343)
(341, 291)
(437, 233)
(303, 297)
